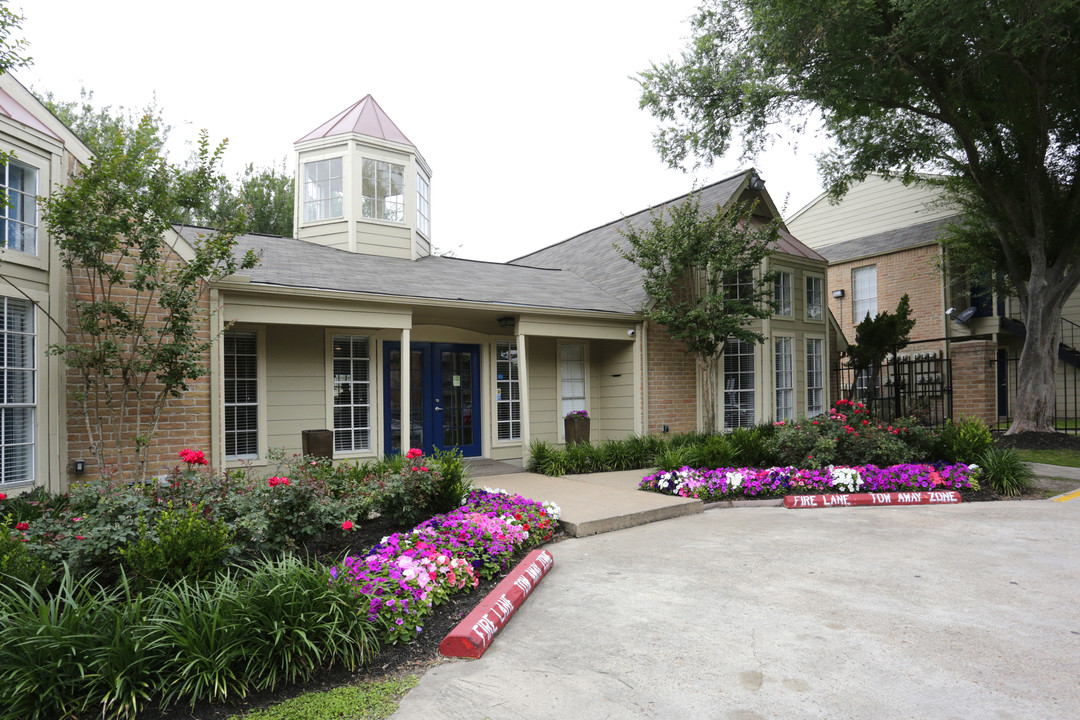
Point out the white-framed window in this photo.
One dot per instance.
(782, 291)
(324, 190)
(738, 285)
(815, 297)
(423, 204)
(18, 402)
(352, 393)
(507, 391)
(19, 215)
(864, 292)
(384, 190)
(815, 376)
(738, 384)
(785, 379)
(572, 373)
(241, 395)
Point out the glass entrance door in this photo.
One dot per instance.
(444, 397)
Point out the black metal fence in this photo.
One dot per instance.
(916, 383)
(1067, 416)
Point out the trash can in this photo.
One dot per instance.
(318, 443)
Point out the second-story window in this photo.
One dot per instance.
(323, 190)
(423, 204)
(782, 294)
(19, 214)
(384, 190)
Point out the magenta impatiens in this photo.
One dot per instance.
(736, 483)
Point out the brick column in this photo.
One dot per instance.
(974, 380)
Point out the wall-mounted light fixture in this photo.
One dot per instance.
(838, 293)
(79, 467)
(756, 183)
(507, 321)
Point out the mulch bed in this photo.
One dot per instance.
(1040, 441)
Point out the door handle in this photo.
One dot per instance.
(438, 408)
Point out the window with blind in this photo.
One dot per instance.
(785, 380)
(738, 384)
(352, 393)
(507, 391)
(241, 396)
(573, 377)
(19, 402)
(864, 293)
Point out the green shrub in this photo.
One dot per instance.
(713, 452)
(32, 505)
(454, 482)
(540, 456)
(965, 441)
(1006, 473)
(17, 565)
(183, 542)
(618, 455)
(407, 496)
(581, 458)
(643, 449)
(751, 446)
(674, 457)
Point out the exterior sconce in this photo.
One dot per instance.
(838, 293)
(505, 322)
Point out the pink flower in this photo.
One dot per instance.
(423, 469)
(414, 468)
(23, 526)
(413, 453)
(79, 537)
(347, 525)
(275, 481)
(3, 496)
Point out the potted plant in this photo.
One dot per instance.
(576, 427)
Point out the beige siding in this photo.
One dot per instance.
(543, 388)
(612, 389)
(374, 238)
(295, 384)
(870, 207)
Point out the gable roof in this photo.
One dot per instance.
(13, 109)
(594, 255)
(886, 242)
(287, 262)
(364, 117)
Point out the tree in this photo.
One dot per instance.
(700, 272)
(876, 337)
(984, 93)
(102, 127)
(138, 337)
(266, 196)
(12, 49)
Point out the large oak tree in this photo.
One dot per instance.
(984, 92)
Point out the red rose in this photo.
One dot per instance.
(347, 525)
(23, 526)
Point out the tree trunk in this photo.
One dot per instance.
(707, 366)
(1036, 383)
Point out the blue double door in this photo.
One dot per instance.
(444, 397)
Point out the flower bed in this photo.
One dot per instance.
(746, 483)
(403, 577)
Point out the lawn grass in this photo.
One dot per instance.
(1068, 458)
(369, 700)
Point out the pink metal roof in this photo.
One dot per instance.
(364, 117)
(14, 109)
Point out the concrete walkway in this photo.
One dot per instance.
(935, 612)
(598, 502)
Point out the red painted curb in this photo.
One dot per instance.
(935, 497)
(472, 635)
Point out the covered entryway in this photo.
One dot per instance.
(444, 397)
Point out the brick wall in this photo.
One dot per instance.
(913, 271)
(185, 421)
(974, 380)
(671, 383)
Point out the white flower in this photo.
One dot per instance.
(734, 479)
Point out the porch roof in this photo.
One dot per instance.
(886, 242)
(287, 262)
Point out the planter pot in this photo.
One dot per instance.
(576, 429)
(318, 443)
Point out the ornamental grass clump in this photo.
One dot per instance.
(743, 483)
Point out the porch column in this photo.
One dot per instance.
(523, 388)
(406, 391)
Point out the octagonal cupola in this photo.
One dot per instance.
(362, 186)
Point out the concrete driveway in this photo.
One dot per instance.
(968, 611)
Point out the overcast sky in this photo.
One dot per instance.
(526, 112)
